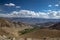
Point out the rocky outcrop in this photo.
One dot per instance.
(10, 28)
(8, 23)
(55, 26)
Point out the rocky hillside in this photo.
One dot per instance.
(11, 29)
(42, 33)
(55, 26)
(8, 23)
(53, 31)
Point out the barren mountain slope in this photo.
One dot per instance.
(42, 33)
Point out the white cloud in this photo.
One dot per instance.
(18, 6)
(49, 10)
(56, 5)
(27, 13)
(49, 5)
(10, 4)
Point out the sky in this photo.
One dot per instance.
(30, 8)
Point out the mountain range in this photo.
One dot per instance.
(11, 27)
(34, 20)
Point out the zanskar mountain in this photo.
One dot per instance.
(18, 29)
(11, 29)
(33, 20)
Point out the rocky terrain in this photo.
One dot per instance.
(52, 31)
(10, 30)
(55, 26)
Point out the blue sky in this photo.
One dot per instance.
(30, 8)
(35, 5)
